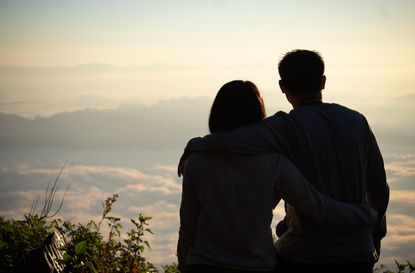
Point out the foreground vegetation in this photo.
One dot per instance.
(84, 248)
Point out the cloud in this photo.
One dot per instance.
(154, 190)
(116, 172)
(172, 169)
(400, 241)
(403, 196)
(400, 171)
(401, 168)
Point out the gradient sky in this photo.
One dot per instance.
(202, 32)
(167, 49)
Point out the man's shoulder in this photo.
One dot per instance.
(332, 110)
(355, 115)
(344, 108)
(336, 107)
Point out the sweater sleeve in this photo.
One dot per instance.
(262, 137)
(298, 192)
(189, 210)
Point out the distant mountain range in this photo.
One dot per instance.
(168, 124)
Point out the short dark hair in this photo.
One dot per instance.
(301, 71)
(238, 103)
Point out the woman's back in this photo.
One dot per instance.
(233, 198)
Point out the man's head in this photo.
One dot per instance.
(302, 73)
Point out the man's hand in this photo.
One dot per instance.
(183, 162)
(181, 167)
(281, 227)
(183, 159)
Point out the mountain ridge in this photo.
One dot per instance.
(127, 126)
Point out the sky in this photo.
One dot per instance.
(67, 61)
(143, 51)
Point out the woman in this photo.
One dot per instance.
(227, 200)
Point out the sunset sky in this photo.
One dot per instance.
(149, 50)
(57, 57)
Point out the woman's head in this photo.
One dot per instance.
(238, 103)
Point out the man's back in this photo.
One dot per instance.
(329, 143)
(332, 146)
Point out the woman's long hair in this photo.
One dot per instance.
(238, 103)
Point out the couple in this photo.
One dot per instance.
(321, 158)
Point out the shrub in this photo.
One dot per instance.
(88, 251)
(18, 238)
(85, 250)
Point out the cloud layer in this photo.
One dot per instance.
(157, 193)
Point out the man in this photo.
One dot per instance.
(337, 152)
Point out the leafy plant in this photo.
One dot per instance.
(170, 268)
(88, 251)
(18, 238)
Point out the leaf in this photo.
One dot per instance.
(401, 267)
(149, 230)
(67, 257)
(90, 265)
(144, 219)
(80, 247)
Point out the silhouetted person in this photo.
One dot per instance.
(227, 201)
(335, 149)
